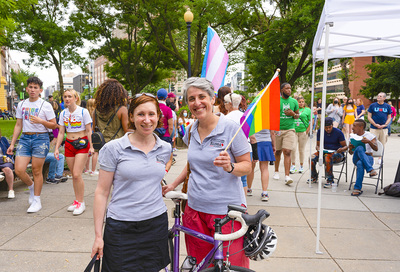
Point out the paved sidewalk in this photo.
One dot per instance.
(357, 234)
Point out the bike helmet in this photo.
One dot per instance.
(259, 242)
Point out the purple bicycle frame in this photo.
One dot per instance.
(176, 228)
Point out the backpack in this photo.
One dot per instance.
(392, 190)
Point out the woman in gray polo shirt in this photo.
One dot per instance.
(214, 182)
(133, 165)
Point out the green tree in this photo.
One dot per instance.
(236, 22)
(384, 77)
(287, 45)
(20, 77)
(44, 33)
(128, 43)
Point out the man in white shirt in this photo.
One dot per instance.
(362, 156)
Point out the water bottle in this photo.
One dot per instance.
(188, 264)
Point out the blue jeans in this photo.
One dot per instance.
(56, 167)
(363, 162)
(36, 145)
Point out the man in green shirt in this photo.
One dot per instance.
(285, 138)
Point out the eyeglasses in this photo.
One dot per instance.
(147, 94)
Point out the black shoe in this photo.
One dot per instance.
(52, 181)
(61, 179)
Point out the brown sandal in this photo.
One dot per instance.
(356, 193)
(373, 173)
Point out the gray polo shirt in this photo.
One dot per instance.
(136, 193)
(210, 188)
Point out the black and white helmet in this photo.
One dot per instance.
(259, 242)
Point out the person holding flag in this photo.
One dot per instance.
(285, 138)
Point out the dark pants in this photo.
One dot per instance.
(329, 159)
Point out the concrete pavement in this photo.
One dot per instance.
(357, 234)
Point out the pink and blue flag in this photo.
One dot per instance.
(215, 60)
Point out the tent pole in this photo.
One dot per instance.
(322, 133)
(312, 115)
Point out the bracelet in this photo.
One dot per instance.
(233, 167)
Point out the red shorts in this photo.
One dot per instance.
(70, 151)
(204, 223)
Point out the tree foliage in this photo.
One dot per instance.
(20, 77)
(43, 31)
(287, 45)
(384, 77)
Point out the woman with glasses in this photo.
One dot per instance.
(214, 181)
(136, 230)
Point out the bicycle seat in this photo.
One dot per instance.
(238, 208)
(254, 219)
(175, 195)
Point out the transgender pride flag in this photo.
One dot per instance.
(215, 61)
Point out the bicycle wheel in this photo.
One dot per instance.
(231, 269)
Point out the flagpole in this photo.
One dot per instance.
(254, 105)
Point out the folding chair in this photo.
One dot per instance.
(377, 167)
(343, 163)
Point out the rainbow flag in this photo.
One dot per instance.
(215, 60)
(264, 110)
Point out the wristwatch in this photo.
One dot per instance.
(233, 167)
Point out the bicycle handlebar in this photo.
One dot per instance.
(237, 234)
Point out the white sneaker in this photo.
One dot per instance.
(11, 194)
(264, 197)
(301, 169)
(2, 177)
(94, 173)
(249, 192)
(87, 172)
(292, 169)
(73, 206)
(79, 209)
(35, 207)
(276, 176)
(288, 180)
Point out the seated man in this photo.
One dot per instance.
(6, 166)
(334, 146)
(362, 156)
(56, 169)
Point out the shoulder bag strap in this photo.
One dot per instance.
(112, 138)
(185, 183)
(112, 117)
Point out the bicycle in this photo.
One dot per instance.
(258, 246)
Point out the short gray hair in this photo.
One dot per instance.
(233, 98)
(198, 82)
(384, 94)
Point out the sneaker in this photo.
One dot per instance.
(174, 149)
(301, 169)
(292, 169)
(35, 206)
(288, 180)
(94, 173)
(73, 206)
(249, 192)
(11, 194)
(79, 209)
(264, 197)
(2, 177)
(87, 172)
(52, 181)
(328, 184)
(61, 178)
(276, 176)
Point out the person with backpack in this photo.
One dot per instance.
(76, 121)
(34, 117)
(110, 116)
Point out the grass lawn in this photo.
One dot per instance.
(7, 128)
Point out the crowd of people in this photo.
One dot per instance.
(140, 135)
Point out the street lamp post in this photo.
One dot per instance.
(188, 19)
(88, 83)
(22, 91)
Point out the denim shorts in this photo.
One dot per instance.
(36, 145)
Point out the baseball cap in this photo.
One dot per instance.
(162, 93)
(171, 95)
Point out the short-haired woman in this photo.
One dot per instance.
(136, 230)
(214, 181)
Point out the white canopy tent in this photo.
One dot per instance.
(353, 28)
